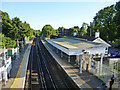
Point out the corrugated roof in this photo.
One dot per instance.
(73, 43)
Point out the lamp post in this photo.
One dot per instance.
(17, 55)
(4, 54)
(22, 45)
(17, 43)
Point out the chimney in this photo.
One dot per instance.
(97, 34)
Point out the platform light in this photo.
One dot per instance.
(85, 52)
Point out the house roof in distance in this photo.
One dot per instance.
(91, 38)
(88, 38)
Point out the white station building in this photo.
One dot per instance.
(5, 65)
(75, 47)
(82, 49)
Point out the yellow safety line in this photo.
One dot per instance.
(75, 73)
(19, 69)
(79, 77)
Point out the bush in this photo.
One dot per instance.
(117, 41)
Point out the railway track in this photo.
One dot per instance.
(43, 71)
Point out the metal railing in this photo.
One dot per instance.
(105, 72)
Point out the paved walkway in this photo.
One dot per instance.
(15, 66)
(19, 80)
(84, 80)
(18, 71)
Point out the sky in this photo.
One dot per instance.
(65, 13)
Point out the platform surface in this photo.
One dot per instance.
(84, 80)
(18, 71)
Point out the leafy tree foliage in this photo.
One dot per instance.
(83, 29)
(48, 30)
(72, 30)
(57, 32)
(14, 29)
(8, 42)
(37, 33)
(61, 28)
(107, 20)
(116, 19)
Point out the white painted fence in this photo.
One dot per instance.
(5, 68)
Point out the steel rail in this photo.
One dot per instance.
(31, 63)
(42, 78)
(48, 56)
(52, 82)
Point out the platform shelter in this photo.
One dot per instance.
(81, 50)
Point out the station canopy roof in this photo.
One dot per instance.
(69, 45)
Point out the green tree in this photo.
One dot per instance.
(48, 30)
(57, 32)
(83, 29)
(37, 32)
(6, 24)
(116, 19)
(72, 30)
(59, 29)
(14, 28)
(27, 30)
(104, 22)
(8, 42)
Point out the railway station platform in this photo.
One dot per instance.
(84, 80)
(18, 71)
